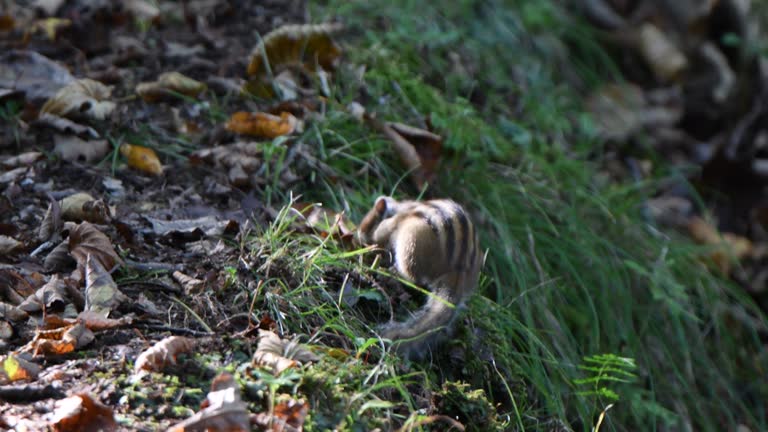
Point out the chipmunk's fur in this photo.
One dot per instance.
(434, 244)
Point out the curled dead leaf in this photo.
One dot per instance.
(277, 354)
(142, 158)
(82, 413)
(419, 150)
(64, 338)
(170, 84)
(262, 124)
(162, 354)
(101, 292)
(306, 44)
(81, 98)
(191, 285)
(85, 239)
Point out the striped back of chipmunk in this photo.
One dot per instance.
(454, 229)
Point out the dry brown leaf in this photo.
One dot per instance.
(287, 416)
(665, 59)
(142, 158)
(278, 354)
(34, 74)
(50, 26)
(63, 338)
(162, 354)
(191, 285)
(74, 149)
(168, 85)
(292, 52)
(81, 413)
(12, 313)
(23, 159)
(305, 44)
(729, 246)
(223, 409)
(81, 98)
(59, 258)
(101, 292)
(16, 368)
(85, 239)
(97, 322)
(419, 150)
(50, 297)
(142, 9)
(51, 225)
(326, 222)
(8, 245)
(262, 124)
(83, 207)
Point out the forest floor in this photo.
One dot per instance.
(177, 216)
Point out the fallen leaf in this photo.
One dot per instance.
(13, 175)
(262, 124)
(9, 245)
(277, 354)
(23, 159)
(75, 149)
(162, 354)
(419, 150)
(82, 98)
(728, 246)
(192, 228)
(326, 222)
(36, 75)
(621, 110)
(58, 258)
(170, 84)
(16, 368)
(84, 207)
(101, 292)
(85, 239)
(63, 125)
(665, 59)
(81, 413)
(306, 44)
(142, 158)
(52, 223)
(223, 409)
(64, 338)
(301, 47)
(51, 297)
(10, 312)
(287, 416)
(191, 285)
(96, 322)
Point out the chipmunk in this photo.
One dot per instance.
(432, 243)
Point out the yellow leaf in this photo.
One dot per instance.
(262, 124)
(142, 158)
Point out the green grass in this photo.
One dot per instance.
(585, 304)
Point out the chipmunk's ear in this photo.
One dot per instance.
(381, 204)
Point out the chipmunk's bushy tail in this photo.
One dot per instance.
(414, 337)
